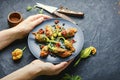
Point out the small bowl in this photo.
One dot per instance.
(14, 18)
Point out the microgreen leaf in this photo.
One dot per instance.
(71, 77)
(41, 11)
(29, 8)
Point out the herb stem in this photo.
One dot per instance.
(62, 38)
(52, 41)
(77, 62)
(49, 45)
(24, 48)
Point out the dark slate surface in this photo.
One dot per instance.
(101, 27)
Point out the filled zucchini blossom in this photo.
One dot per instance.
(17, 53)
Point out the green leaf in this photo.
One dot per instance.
(77, 77)
(29, 8)
(71, 77)
(41, 11)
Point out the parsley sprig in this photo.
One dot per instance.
(71, 77)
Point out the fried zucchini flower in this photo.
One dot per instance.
(70, 32)
(49, 32)
(44, 52)
(67, 53)
(17, 53)
(68, 44)
(41, 37)
(57, 50)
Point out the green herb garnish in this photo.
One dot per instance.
(29, 8)
(41, 11)
(71, 77)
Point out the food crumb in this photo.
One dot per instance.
(119, 3)
(56, 21)
(119, 6)
(63, 24)
(118, 12)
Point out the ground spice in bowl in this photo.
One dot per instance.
(14, 18)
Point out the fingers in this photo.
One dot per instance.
(67, 64)
(70, 61)
(46, 16)
(35, 17)
(37, 61)
(38, 21)
(62, 65)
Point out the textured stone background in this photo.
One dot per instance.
(101, 28)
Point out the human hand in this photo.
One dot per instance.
(28, 24)
(46, 68)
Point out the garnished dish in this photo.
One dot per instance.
(56, 40)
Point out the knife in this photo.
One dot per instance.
(70, 12)
(53, 10)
